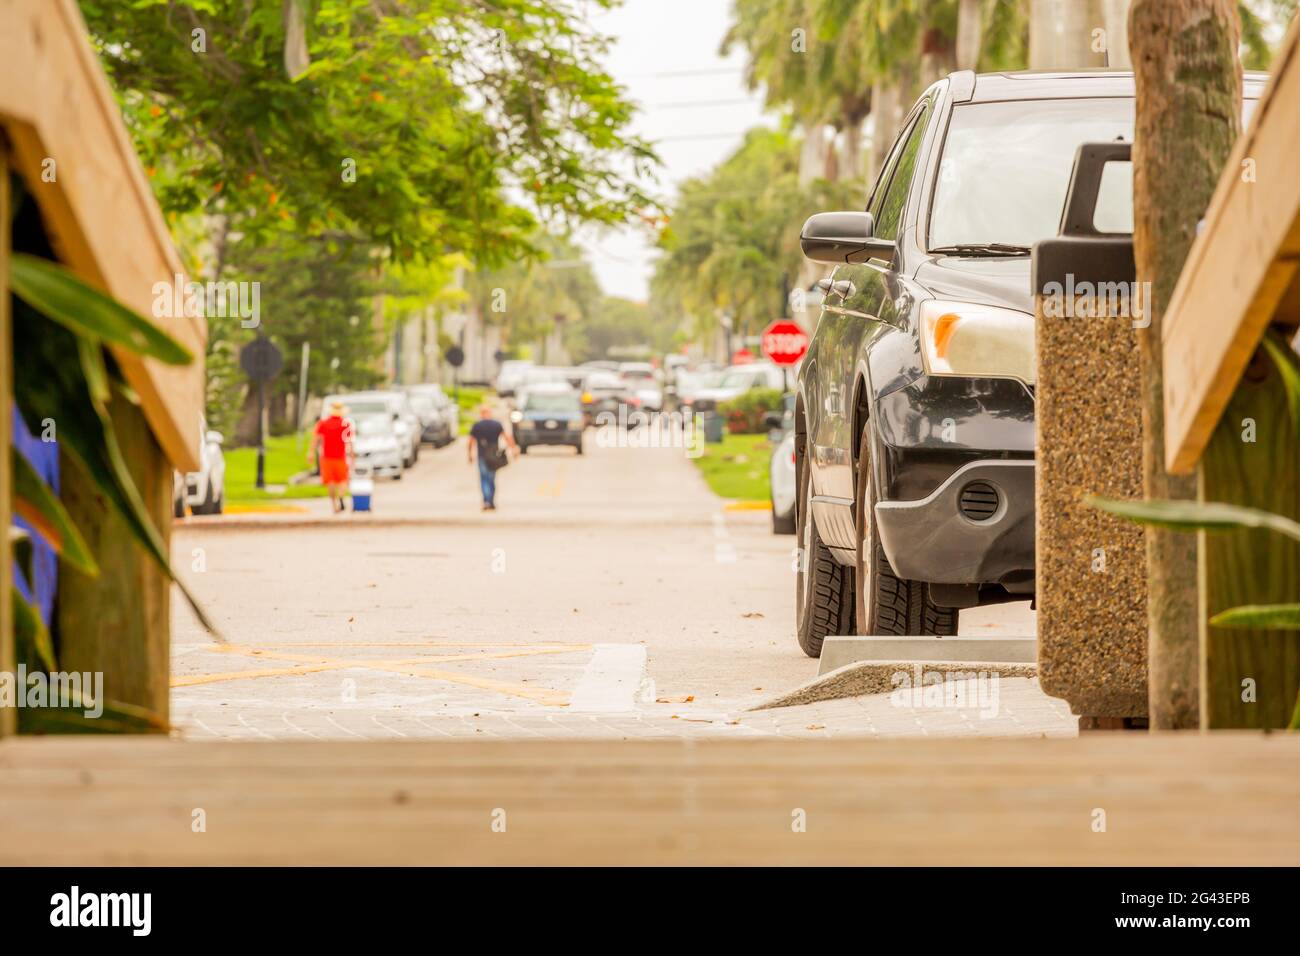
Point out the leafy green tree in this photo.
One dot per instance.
(619, 324)
(527, 297)
(732, 243)
(417, 125)
(1256, 16)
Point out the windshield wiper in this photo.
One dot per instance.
(983, 249)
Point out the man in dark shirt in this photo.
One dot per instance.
(484, 441)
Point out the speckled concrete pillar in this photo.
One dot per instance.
(1091, 575)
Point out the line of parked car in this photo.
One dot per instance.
(553, 404)
(390, 425)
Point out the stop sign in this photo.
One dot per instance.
(784, 342)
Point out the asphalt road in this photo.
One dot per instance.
(613, 585)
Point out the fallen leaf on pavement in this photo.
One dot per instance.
(684, 699)
(753, 614)
(816, 727)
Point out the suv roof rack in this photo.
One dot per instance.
(962, 85)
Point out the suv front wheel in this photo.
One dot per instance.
(885, 604)
(824, 587)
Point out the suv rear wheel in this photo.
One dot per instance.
(883, 602)
(823, 586)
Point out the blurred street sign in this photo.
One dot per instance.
(261, 359)
(742, 357)
(784, 342)
(455, 356)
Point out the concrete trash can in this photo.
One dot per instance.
(715, 427)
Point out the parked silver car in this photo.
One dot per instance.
(439, 415)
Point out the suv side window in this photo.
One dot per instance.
(886, 169)
(890, 211)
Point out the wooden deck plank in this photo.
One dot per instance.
(1169, 799)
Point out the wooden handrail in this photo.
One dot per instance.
(1240, 275)
(100, 214)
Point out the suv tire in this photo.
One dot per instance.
(884, 603)
(823, 586)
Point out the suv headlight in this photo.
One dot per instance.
(961, 338)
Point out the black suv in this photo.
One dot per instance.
(914, 423)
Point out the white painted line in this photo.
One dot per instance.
(611, 681)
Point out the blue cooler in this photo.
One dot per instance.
(361, 487)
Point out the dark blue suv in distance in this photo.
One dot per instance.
(914, 420)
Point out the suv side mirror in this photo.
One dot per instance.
(843, 237)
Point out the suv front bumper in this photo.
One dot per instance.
(977, 527)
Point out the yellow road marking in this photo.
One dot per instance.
(747, 506)
(269, 507)
(416, 667)
(556, 488)
(577, 647)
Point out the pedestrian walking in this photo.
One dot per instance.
(333, 441)
(485, 444)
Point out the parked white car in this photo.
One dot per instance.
(643, 384)
(737, 380)
(203, 491)
(395, 404)
(782, 478)
(376, 444)
(511, 374)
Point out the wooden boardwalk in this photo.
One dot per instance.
(1229, 798)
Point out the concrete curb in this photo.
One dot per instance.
(839, 651)
(876, 677)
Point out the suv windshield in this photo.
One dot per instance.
(552, 403)
(1006, 168)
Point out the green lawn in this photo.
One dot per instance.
(284, 459)
(737, 468)
(469, 401)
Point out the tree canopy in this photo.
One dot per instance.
(422, 126)
(733, 237)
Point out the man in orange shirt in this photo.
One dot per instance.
(334, 439)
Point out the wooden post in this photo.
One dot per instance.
(1185, 65)
(1250, 678)
(119, 622)
(8, 664)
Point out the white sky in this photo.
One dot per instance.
(666, 55)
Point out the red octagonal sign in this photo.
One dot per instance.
(784, 342)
